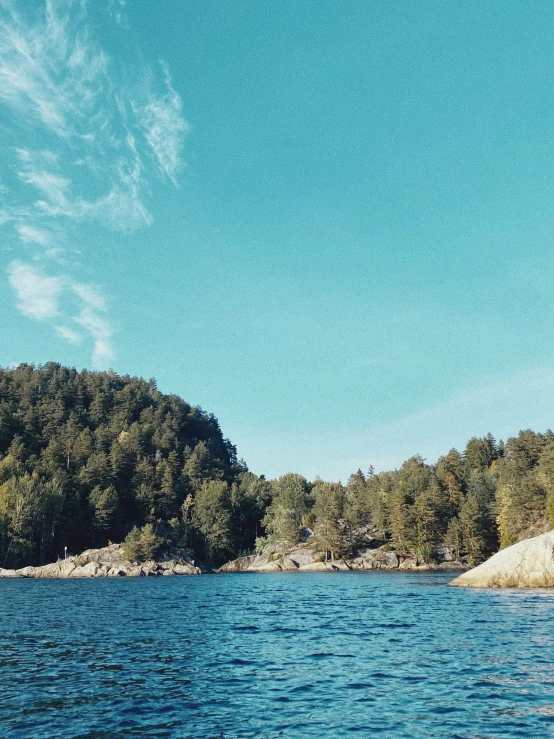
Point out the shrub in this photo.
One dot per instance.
(142, 544)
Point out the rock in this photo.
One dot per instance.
(62, 568)
(314, 567)
(302, 556)
(118, 571)
(238, 565)
(289, 564)
(26, 572)
(527, 564)
(8, 573)
(110, 562)
(110, 554)
(91, 569)
(269, 567)
(410, 563)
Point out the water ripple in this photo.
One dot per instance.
(284, 655)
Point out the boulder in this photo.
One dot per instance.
(314, 567)
(26, 572)
(110, 554)
(289, 564)
(62, 568)
(527, 564)
(268, 567)
(118, 571)
(9, 573)
(91, 569)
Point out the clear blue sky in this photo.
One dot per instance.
(329, 223)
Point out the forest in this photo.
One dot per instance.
(92, 457)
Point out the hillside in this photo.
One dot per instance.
(85, 456)
(91, 457)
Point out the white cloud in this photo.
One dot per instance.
(501, 405)
(74, 337)
(37, 294)
(90, 296)
(63, 89)
(32, 235)
(50, 71)
(164, 127)
(101, 332)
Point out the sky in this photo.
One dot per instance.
(330, 224)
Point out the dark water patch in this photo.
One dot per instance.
(397, 626)
(239, 661)
(358, 686)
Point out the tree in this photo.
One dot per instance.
(431, 509)
(480, 452)
(107, 509)
(142, 545)
(212, 516)
(454, 537)
(332, 535)
(474, 525)
(284, 515)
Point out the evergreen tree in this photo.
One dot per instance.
(290, 502)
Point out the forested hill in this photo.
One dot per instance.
(89, 457)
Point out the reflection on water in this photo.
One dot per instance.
(278, 655)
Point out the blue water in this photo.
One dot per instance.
(277, 655)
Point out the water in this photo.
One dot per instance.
(278, 655)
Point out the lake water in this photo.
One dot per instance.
(276, 655)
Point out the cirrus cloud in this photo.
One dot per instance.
(103, 140)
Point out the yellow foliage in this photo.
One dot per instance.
(504, 501)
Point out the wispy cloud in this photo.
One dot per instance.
(101, 331)
(41, 296)
(104, 146)
(164, 127)
(73, 337)
(37, 295)
(32, 235)
(501, 405)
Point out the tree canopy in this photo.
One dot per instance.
(89, 457)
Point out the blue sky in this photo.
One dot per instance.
(328, 223)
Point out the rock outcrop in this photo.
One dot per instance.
(306, 557)
(110, 562)
(527, 564)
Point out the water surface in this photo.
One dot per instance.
(277, 655)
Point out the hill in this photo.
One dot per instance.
(87, 458)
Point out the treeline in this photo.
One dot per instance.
(91, 457)
(470, 503)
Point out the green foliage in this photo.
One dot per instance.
(330, 530)
(290, 502)
(142, 544)
(213, 517)
(86, 457)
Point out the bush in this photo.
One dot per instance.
(142, 544)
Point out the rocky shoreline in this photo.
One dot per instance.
(306, 558)
(110, 562)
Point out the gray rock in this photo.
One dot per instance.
(91, 569)
(527, 564)
(26, 572)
